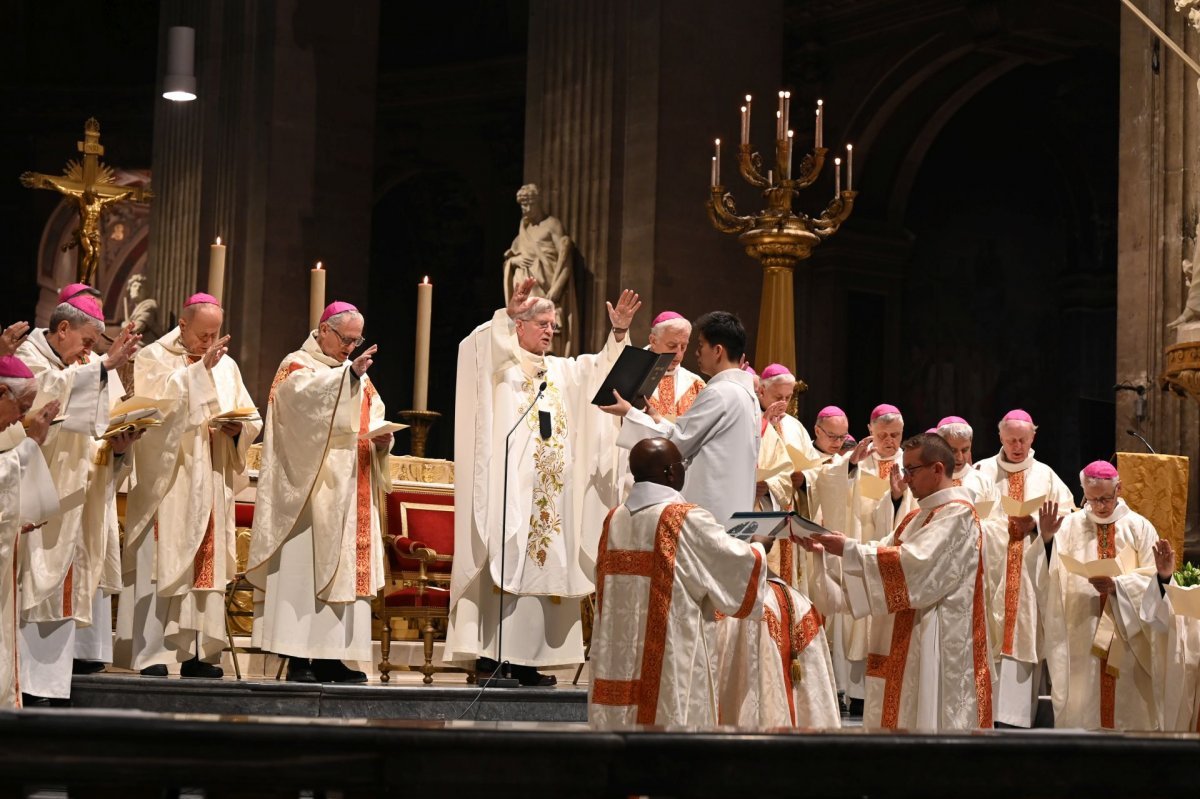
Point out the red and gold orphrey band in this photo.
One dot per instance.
(362, 540)
(1012, 572)
(1107, 549)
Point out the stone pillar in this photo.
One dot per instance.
(275, 157)
(1158, 201)
(624, 101)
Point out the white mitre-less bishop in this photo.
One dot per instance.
(180, 545)
(27, 496)
(1098, 656)
(679, 387)
(316, 551)
(547, 510)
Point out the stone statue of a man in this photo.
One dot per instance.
(140, 308)
(542, 250)
(1191, 274)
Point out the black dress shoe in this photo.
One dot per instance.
(336, 671)
(157, 670)
(856, 707)
(300, 670)
(29, 700)
(530, 677)
(86, 666)
(198, 668)
(486, 667)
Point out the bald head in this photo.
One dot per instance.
(657, 460)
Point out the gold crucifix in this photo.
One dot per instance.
(93, 188)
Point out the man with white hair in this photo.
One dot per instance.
(1015, 559)
(1099, 665)
(536, 469)
(960, 436)
(316, 551)
(61, 562)
(27, 497)
(180, 545)
(679, 387)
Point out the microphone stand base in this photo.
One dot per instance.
(499, 682)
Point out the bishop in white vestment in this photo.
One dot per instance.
(678, 389)
(665, 569)
(180, 549)
(532, 531)
(316, 551)
(1016, 562)
(923, 588)
(961, 436)
(1174, 648)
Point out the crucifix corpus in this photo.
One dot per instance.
(93, 188)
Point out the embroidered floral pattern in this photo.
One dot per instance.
(1012, 571)
(549, 468)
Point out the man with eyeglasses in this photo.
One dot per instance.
(62, 562)
(530, 532)
(179, 515)
(923, 589)
(1016, 562)
(678, 389)
(1096, 654)
(316, 550)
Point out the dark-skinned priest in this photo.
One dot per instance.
(922, 587)
(532, 531)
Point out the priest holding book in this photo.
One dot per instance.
(536, 469)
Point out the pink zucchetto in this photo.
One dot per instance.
(884, 410)
(1100, 470)
(748, 369)
(829, 411)
(932, 430)
(83, 297)
(775, 370)
(1017, 415)
(202, 298)
(12, 366)
(951, 420)
(337, 307)
(665, 316)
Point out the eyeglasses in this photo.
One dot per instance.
(1110, 499)
(909, 471)
(347, 341)
(830, 435)
(541, 325)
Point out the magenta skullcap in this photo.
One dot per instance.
(849, 440)
(1100, 470)
(83, 297)
(830, 411)
(665, 316)
(775, 370)
(202, 298)
(932, 430)
(337, 307)
(749, 370)
(952, 420)
(883, 410)
(1017, 415)
(12, 366)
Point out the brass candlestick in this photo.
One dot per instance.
(419, 423)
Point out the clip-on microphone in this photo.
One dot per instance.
(505, 679)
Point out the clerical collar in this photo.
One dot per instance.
(644, 494)
(880, 459)
(961, 473)
(40, 340)
(1014, 467)
(1119, 512)
(939, 498)
(172, 343)
(314, 351)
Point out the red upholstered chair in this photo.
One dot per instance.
(239, 595)
(419, 541)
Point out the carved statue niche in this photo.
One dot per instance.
(542, 250)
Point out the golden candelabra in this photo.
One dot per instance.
(779, 237)
(419, 423)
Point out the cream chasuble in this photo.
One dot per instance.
(718, 438)
(27, 496)
(676, 392)
(180, 551)
(1175, 658)
(776, 671)
(1099, 674)
(923, 589)
(316, 552)
(558, 491)
(665, 569)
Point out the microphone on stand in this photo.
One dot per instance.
(1140, 438)
(505, 678)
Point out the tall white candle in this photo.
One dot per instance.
(745, 126)
(779, 119)
(837, 177)
(717, 161)
(746, 122)
(849, 167)
(316, 295)
(791, 140)
(787, 110)
(820, 123)
(713, 172)
(216, 270)
(421, 368)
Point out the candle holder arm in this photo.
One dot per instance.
(723, 213)
(750, 167)
(837, 212)
(810, 168)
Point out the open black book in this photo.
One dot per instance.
(772, 524)
(635, 375)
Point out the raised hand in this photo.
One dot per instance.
(775, 411)
(123, 348)
(39, 423)
(861, 450)
(10, 339)
(521, 301)
(214, 353)
(896, 478)
(1164, 558)
(363, 362)
(622, 315)
(1048, 520)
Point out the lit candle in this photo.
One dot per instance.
(849, 167)
(216, 269)
(820, 123)
(316, 296)
(713, 176)
(787, 109)
(837, 177)
(770, 177)
(717, 161)
(746, 122)
(421, 370)
(779, 119)
(791, 140)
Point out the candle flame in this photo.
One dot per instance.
(837, 162)
(218, 239)
(781, 94)
(318, 266)
(849, 146)
(819, 104)
(791, 133)
(747, 98)
(743, 109)
(426, 280)
(717, 142)
(778, 114)
(787, 95)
